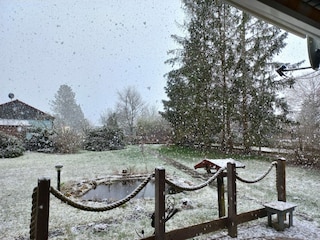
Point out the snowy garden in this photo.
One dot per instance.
(199, 79)
(133, 220)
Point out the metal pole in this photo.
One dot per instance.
(58, 168)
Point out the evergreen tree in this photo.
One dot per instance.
(67, 112)
(223, 72)
(177, 108)
(255, 86)
(191, 88)
(110, 119)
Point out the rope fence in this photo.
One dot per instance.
(111, 206)
(260, 178)
(193, 188)
(33, 213)
(120, 202)
(40, 201)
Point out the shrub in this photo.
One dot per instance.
(41, 141)
(102, 139)
(10, 147)
(67, 141)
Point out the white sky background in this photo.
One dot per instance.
(96, 47)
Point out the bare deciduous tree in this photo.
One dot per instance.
(305, 103)
(129, 107)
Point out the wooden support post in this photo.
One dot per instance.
(159, 204)
(42, 209)
(221, 200)
(232, 200)
(281, 179)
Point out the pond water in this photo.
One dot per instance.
(118, 190)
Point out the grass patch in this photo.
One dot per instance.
(189, 154)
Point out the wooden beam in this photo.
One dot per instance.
(42, 209)
(301, 8)
(232, 200)
(195, 230)
(159, 216)
(221, 200)
(252, 215)
(281, 179)
(212, 226)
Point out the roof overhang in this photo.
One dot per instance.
(300, 17)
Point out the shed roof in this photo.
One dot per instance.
(218, 163)
(21, 111)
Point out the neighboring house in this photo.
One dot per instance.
(20, 119)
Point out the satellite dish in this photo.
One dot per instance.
(314, 52)
(11, 96)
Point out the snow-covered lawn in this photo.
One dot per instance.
(19, 176)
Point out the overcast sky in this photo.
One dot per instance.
(97, 47)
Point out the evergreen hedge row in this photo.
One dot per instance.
(10, 147)
(103, 139)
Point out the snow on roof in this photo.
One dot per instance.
(14, 122)
(218, 163)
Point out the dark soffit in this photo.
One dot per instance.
(300, 17)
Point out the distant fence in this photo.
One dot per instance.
(39, 227)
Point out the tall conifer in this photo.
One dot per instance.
(223, 89)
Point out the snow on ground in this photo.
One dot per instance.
(19, 176)
(302, 229)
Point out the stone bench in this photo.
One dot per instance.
(281, 209)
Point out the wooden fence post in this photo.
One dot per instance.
(159, 216)
(42, 209)
(221, 200)
(281, 179)
(232, 200)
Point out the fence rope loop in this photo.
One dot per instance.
(108, 207)
(32, 231)
(274, 163)
(193, 188)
